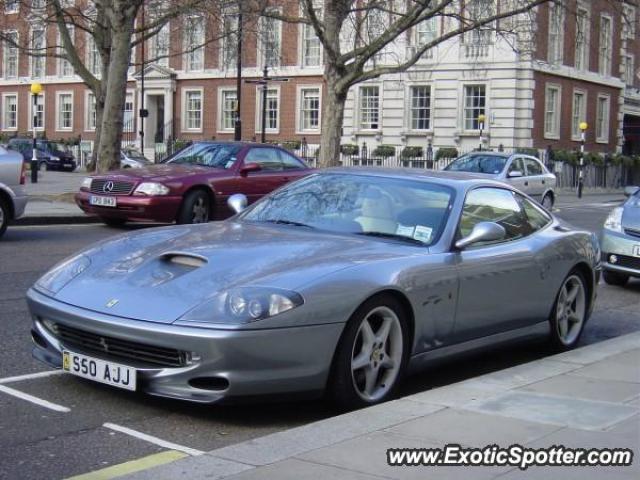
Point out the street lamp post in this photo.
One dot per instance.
(481, 120)
(36, 89)
(238, 125)
(583, 130)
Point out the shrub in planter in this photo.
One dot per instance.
(384, 151)
(447, 152)
(592, 158)
(566, 156)
(412, 152)
(291, 145)
(349, 149)
(528, 151)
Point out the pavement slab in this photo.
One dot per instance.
(586, 388)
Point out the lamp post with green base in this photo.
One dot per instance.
(36, 89)
(481, 120)
(583, 131)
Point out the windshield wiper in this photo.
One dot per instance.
(393, 236)
(287, 222)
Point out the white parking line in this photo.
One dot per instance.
(152, 439)
(30, 376)
(30, 398)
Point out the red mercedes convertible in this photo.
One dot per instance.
(192, 186)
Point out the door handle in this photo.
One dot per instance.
(526, 184)
(543, 182)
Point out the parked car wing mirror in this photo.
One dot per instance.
(237, 202)
(250, 167)
(482, 232)
(515, 174)
(629, 191)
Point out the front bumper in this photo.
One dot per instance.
(625, 247)
(162, 209)
(252, 362)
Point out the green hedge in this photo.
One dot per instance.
(384, 151)
(291, 145)
(534, 152)
(447, 152)
(349, 149)
(412, 152)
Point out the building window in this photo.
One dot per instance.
(421, 107)
(159, 46)
(605, 46)
(370, 108)
(38, 59)
(228, 110)
(311, 49)
(36, 120)
(582, 39)
(128, 119)
(602, 118)
(94, 63)
(628, 21)
(309, 109)
(10, 110)
(552, 112)
(10, 63)
(579, 113)
(90, 120)
(629, 70)
(479, 10)
(273, 109)
(65, 69)
(270, 41)
(193, 110)
(64, 107)
(556, 33)
(229, 53)
(11, 6)
(474, 105)
(194, 36)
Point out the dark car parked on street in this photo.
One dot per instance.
(48, 153)
(192, 186)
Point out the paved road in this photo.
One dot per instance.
(36, 442)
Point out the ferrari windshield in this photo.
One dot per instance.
(478, 163)
(215, 155)
(399, 209)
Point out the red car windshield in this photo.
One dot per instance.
(215, 155)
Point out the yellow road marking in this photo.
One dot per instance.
(133, 466)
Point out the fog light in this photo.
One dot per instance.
(613, 259)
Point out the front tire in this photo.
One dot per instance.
(372, 355)
(195, 208)
(615, 278)
(547, 202)
(569, 312)
(113, 222)
(4, 216)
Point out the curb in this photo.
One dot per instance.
(55, 220)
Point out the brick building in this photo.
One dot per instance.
(583, 68)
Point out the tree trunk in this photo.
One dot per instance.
(115, 90)
(332, 118)
(96, 141)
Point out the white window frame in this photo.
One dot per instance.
(629, 60)
(464, 108)
(558, 34)
(359, 108)
(603, 136)
(228, 58)
(189, 54)
(220, 127)
(628, 21)
(259, 109)
(5, 55)
(183, 110)
(605, 52)
(578, 117)
(132, 121)
(299, 104)
(35, 60)
(475, 10)
(11, 6)
(62, 62)
(41, 97)
(59, 126)
(155, 52)
(410, 108)
(87, 112)
(306, 35)
(581, 62)
(4, 111)
(554, 133)
(262, 59)
(92, 56)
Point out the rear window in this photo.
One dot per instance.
(478, 163)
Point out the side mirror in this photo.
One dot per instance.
(482, 232)
(237, 202)
(514, 174)
(250, 167)
(629, 191)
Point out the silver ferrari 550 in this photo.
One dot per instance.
(340, 283)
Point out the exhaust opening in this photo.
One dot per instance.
(215, 384)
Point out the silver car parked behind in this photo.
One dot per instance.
(620, 240)
(13, 197)
(524, 172)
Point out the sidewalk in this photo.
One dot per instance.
(586, 398)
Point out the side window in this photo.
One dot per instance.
(536, 218)
(267, 158)
(517, 165)
(494, 205)
(533, 167)
(289, 162)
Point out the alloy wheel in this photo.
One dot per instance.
(570, 310)
(377, 353)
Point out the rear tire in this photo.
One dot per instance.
(570, 312)
(369, 364)
(615, 278)
(195, 208)
(4, 216)
(113, 222)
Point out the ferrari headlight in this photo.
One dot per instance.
(243, 305)
(151, 188)
(55, 279)
(86, 183)
(614, 220)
